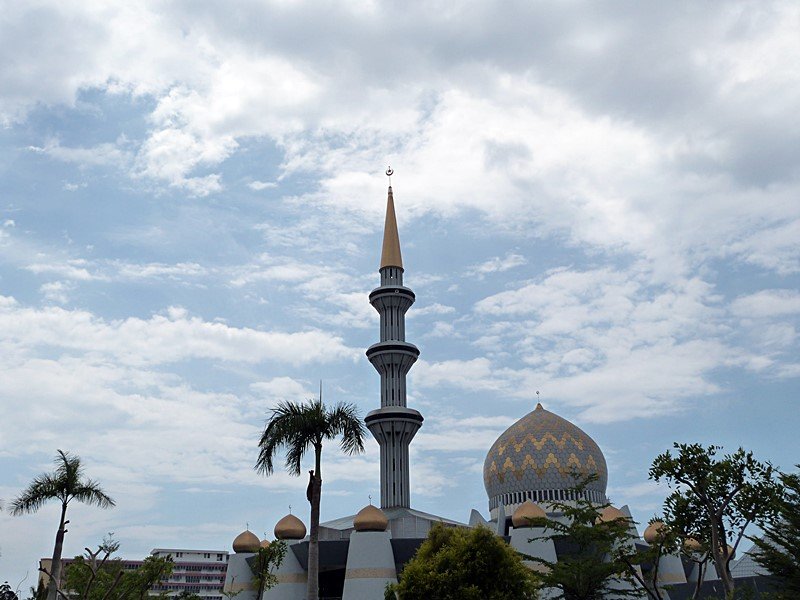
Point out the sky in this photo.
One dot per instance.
(598, 202)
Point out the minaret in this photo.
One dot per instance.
(393, 424)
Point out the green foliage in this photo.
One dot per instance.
(39, 592)
(265, 563)
(6, 593)
(296, 427)
(66, 483)
(643, 564)
(98, 576)
(464, 564)
(187, 595)
(715, 499)
(779, 550)
(600, 556)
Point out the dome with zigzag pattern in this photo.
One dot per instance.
(536, 459)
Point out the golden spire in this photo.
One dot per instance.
(390, 256)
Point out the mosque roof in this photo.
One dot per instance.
(541, 453)
(392, 514)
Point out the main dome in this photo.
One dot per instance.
(535, 459)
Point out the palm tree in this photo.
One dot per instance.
(296, 427)
(65, 484)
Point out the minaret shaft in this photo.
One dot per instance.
(394, 424)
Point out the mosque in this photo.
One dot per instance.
(530, 465)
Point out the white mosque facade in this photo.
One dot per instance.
(530, 466)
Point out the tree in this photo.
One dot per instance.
(716, 498)
(778, 551)
(643, 564)
(264, 564)
(6, 593)
(686, 520)
(65, 484)
(297, 427)
(597, 555)
(99, 576)
(464, 564)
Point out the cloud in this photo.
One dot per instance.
(77, 269)
(281, 389)
(497, 265)
(127, 270)
(262, 185)
(101, 155)
(161, 339)
(434, 309)
(767, 303)
(56, 291)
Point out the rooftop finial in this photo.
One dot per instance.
(389, 173)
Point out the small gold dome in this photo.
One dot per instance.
(290, 528)
(264, 543)
(370, 518)
(654, 532)
(526, 511)
(692, 546)
(247, 541)
(610, 514)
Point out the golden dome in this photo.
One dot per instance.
(264, 543)
(692, 546)
(290, 528)
(538, 458)
(247, 541)
(610, 514)
(370, 518)
(525, 512)
(654, 532)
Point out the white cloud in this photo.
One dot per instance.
(262, 185)
(161, 339)
(78, 269)
(129, 270)
(497, 264)
(281, 389)
(102, 155)
(767, 303)
(56, 291)
(433, 309)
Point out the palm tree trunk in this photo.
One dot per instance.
(313, 542)
(55, 565)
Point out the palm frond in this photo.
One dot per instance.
(345, 421)
(291, 426)
(90, 492)
(43, 488)
(294, 427)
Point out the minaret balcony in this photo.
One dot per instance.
(386, 297)
(390, 421)
(385, 355)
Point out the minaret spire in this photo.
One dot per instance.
(391, 256)
(394, 425)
